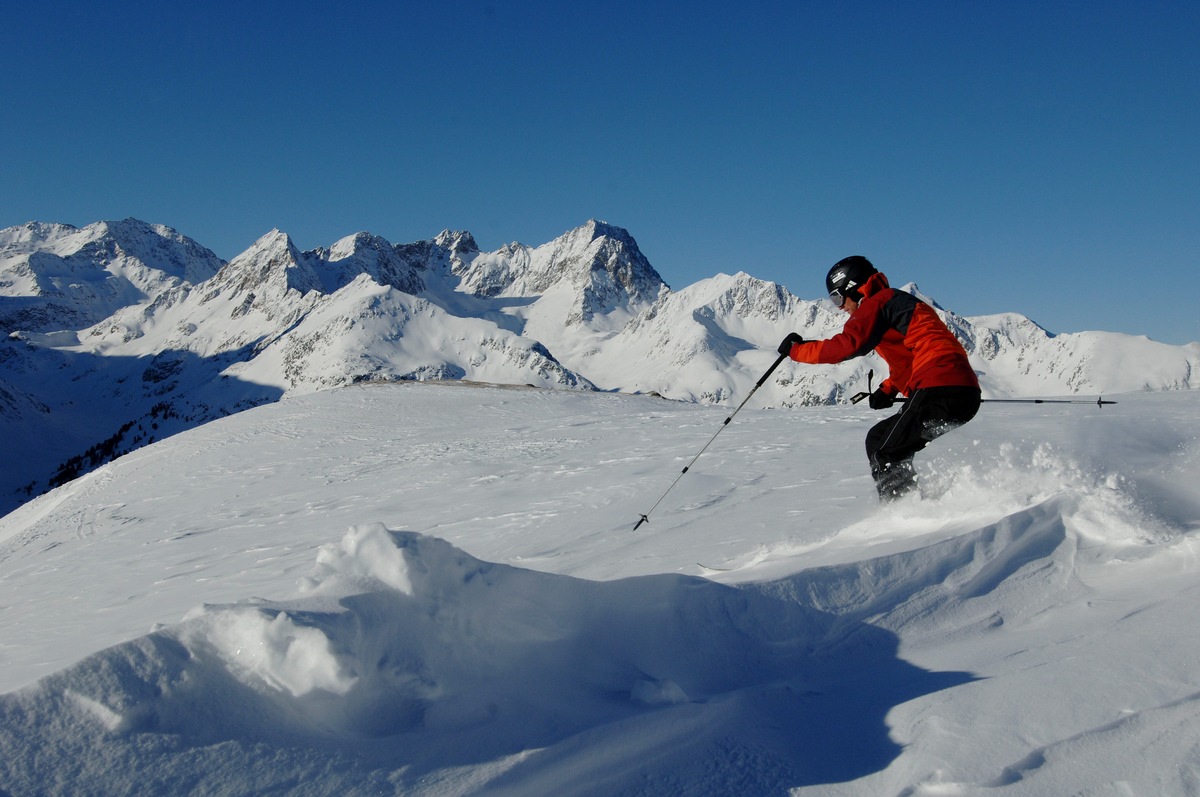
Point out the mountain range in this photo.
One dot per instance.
(121, 333)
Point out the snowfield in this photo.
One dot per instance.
(436, 589)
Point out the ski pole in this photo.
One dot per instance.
(757, 385)
(1099, 402)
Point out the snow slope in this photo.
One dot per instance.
(436, 590)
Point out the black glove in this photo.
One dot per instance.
(881, 400)
(791, 340)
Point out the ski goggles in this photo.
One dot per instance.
(837, 298)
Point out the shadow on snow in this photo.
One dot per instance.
(409, 660)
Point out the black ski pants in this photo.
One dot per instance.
(927, 415)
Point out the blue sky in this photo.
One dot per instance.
(1034, 157)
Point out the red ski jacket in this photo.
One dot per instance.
(918, 348)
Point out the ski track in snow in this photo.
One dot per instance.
(436, 590)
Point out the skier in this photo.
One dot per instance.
(926, 363)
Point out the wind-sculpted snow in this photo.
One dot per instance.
(409, 661)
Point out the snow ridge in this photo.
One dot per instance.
(379, 669)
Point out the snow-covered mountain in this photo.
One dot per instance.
(120, 333)
(55, 276)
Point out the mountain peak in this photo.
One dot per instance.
(33, 232)
(70, 277)
(593, 230)
(353, 244)
(911, 287)
(131, 226)
(273, 260)
(600, 228)
(596, 266)
(457, 241)
(365, 253)
(275, 238)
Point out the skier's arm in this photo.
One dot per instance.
(861, 334)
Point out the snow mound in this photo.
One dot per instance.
(416, 634)
(408, 666)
